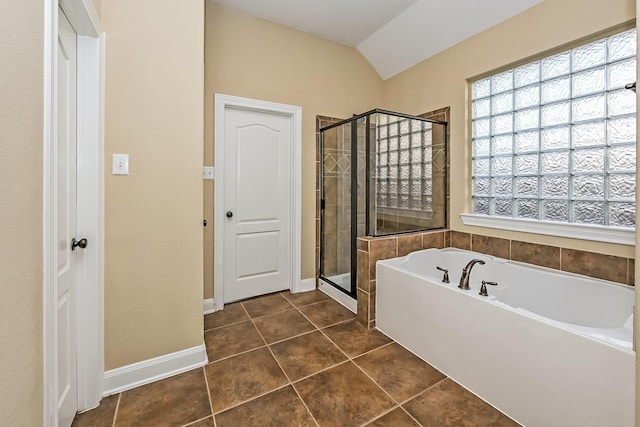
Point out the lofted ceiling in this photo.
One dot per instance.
(393, 35)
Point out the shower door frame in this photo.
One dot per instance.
(367, 188)
(353, 200)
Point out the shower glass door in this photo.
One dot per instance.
(343, 202)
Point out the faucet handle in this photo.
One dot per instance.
(445, 278)
(483, 288)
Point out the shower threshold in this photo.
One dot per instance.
(329, 288)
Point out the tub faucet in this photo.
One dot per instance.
(466, 272)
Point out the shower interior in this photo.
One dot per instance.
(382, 173)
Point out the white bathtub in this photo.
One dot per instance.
(547, 348)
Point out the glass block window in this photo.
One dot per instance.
(555, 139)
(404, 163)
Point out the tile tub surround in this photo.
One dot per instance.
(606, 267)
(373, 249)
(336, 375)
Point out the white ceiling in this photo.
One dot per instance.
(393, 35)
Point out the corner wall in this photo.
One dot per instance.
(442, 81)
(21, 192)
(254, 58)
(153, 216)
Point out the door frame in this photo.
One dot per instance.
(90, 203)
(222, 102)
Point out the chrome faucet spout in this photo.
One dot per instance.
(466, 273)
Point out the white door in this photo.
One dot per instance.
(65, 211)
(257, 203)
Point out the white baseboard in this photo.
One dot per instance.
(148, 371)
(305, 285)
(339, 296)
(208, 306)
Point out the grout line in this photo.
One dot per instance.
(424, 391)
(115, 413)
(272, 314)
(274, 356)
(319, 372)
(253, 398)
(206, 381)
(198, 420)
(224, 326)
(397, 404)
(350, 359)
(372, 350)
(376, 383)
(305, 405)
(377, 417)
(288, 379)
(315, 303)
(289, 383)
(294, 336)
(337, 323)
(236, 354)
(254, 325)
(411, 416)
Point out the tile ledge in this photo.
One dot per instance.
(597, 233)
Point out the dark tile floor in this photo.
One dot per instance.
(297, 360)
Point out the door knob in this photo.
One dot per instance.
(82, 243)
(229, 214)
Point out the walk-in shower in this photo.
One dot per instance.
(382, 173)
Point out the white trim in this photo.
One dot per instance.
(84, 19)
(222, 102)
(157, 368)
(208, 306)
(49, 352)
(306, 285)
(622, 236)
(338, 296)
(90, 220)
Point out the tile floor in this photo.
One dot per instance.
(297, 360)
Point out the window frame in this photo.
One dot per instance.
(604, 233)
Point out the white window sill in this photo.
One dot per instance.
(622, 236)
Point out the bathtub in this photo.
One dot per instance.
(547, 348)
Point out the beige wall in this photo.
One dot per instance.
(153, 217)
(441, 81)
(21, 118)
(97, 4)
(254, 58)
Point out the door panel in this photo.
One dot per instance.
(256, 255)
(65, 210)
(258, 156)
(258, 188)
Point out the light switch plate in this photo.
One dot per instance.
(120, 165)
(208, 172)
